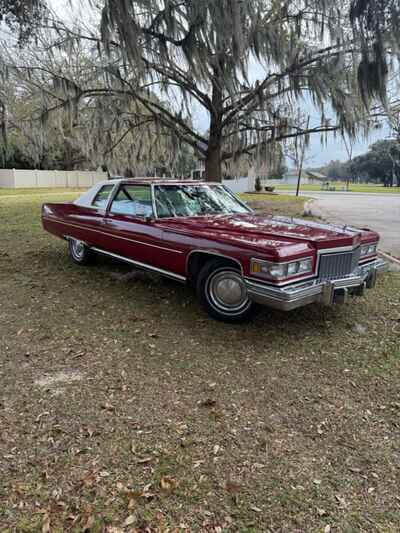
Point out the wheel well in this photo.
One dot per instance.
(197, 260)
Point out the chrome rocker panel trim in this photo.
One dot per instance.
(143, 266)
(326, 292)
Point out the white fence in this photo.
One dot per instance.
(16, 179)
(238, 185)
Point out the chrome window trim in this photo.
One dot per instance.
(153, 201)
(145, 266)
(231, 193)
(91, 193)
(112, 187)
(211, 184)
(112, 196)
(115, 194)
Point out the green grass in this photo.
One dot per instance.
(259, 197)
(39, 192)
(276, 204)
(338, 185)
(289, 423)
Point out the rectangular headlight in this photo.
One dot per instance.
(305, 265)
(368, 249)
(281, 271)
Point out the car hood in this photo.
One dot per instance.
(267, 231)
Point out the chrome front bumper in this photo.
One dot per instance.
(326, 292)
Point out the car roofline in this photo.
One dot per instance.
(159, 181)
(86, 199)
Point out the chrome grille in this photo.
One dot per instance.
(337, 265)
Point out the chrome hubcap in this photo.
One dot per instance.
(227, 291)
(78, 249)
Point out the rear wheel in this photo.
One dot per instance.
(222, 292)
(80, 252)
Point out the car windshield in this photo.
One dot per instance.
(195, 200)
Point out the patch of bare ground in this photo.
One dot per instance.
(169, 421)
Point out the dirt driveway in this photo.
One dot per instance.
(380, 212)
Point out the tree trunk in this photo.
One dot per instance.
(213, 157)
(213, 162)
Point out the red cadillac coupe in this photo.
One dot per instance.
(200, 233)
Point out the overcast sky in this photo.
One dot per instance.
(317, 154)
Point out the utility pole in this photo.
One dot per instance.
(303, 150)
(349, 150)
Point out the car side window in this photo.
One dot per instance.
(133, 200)
(101, 198)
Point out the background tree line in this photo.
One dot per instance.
(380, 164)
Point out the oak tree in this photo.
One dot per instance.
(207, 52)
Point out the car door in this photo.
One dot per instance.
(130, 224)
(86, 222)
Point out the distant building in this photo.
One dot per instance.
(289, 178)
(316, 177)
(308, 177)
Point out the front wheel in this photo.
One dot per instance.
(223, 294)
(80, 252)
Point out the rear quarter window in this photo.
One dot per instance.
(101, 199)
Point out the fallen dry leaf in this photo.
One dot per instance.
(144, 460)
(216, 449)
(208, 403)
(231, 486)
(168, 483)
(46, 523)
(341, 500)
(131, 504)
(130, 520)
(107, 406)
(87, 521)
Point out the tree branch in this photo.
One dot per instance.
(233, 109)
(251, 147)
